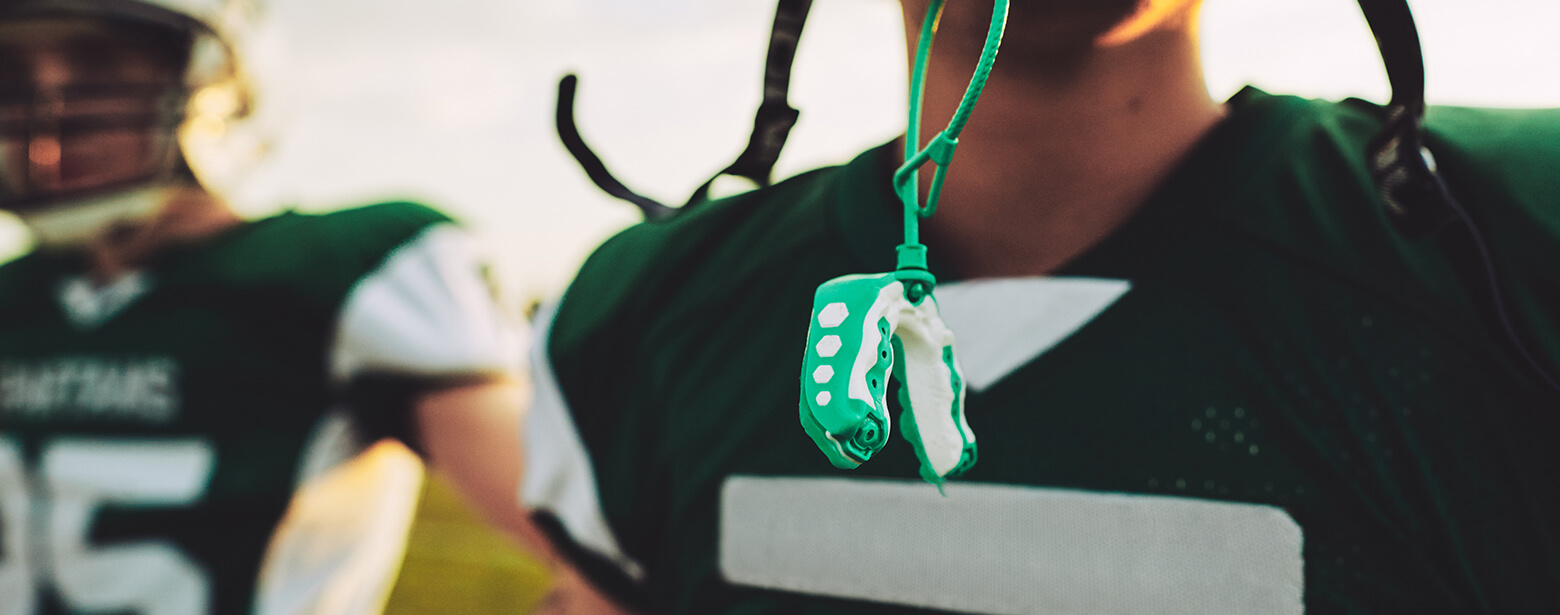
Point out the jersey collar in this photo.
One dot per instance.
(869, 214)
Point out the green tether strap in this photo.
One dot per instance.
(912, 255)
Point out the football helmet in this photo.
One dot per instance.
(83, 152)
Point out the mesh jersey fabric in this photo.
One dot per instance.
(236, 332)
(1280, 345)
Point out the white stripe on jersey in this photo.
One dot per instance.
(337, 550)
(1002, 324)
(558, 473)
(1010, 550)
(426, 311)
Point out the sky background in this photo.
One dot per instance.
(451, 102)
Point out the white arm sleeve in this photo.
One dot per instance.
(558, 473)
(427, 311)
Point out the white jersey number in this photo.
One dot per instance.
(46, 517)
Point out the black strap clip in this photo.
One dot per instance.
(1416, 199)
(1404, 170)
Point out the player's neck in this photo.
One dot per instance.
(189, 215)
(1056, 157)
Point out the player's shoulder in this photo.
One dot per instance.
(371, 228)
(384, 222)
(1531, 135)
(1304, 193)
(23, 280)
(1525, 139)
(1504, 161)
(1516, 151)
(706, 253)
(768, 222)
(19, 272)
(1305, 173)
(319, 254)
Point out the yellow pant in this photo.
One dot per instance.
(456, 564)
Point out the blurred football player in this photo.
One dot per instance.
(170, 373)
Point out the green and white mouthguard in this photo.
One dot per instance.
(861, 325)
(865, 326)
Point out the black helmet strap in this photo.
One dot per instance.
(771, 125)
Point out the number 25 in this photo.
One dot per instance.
(75, 478)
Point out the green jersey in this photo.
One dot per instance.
(1254, 373)
(152, 431)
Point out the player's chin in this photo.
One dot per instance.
(1063, 33)
(1054, 54)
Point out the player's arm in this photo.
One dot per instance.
(431, 359)
(471, 435)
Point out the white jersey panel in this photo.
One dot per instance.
(1008, 549)
(427, 311)
(1002, 324)
(558, 473)
(338, 548)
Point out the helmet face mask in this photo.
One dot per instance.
(90, 109)
(101, 104)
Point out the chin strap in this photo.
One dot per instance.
(776, 117)
(771, 124)
(594, 168)
(1402, 167)
(1417, 199)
